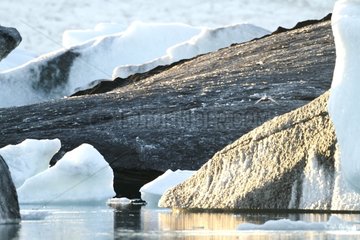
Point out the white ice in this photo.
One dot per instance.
(75, 37)
(345, 88)
(43, 33)
(152, 191)
(34, 215)
(16, 58)
(316, 186)
(101, 58)
(344, 197)
(141, 47)
(82, 175)
(139, 43)
(207, 40)
(29, 158)
(119, 202)
(334, 224)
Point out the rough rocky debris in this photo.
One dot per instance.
(9, 205)
(179, 116)
(266, 168)
(9, 39)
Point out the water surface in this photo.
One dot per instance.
(103, 222)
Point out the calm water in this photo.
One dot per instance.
(102, 222)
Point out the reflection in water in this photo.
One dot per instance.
(9, 231)
(127, 218)
(197, 221)
(136, 222)
(67, 222)
(228, 221)
(143, 223)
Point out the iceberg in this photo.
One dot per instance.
(139, 43)
(81, 175)
(152, 191)
(44, 33)
(345, 88)
(29, 158)
(141, 47)
(207, 40)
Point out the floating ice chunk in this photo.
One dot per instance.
(334, 223)
(124, 202)
(29, 158)
(82, 175)
(152, 191)
(118, 201)
(283, 225)
(31, 215)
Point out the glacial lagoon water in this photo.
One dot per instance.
(136, 222)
